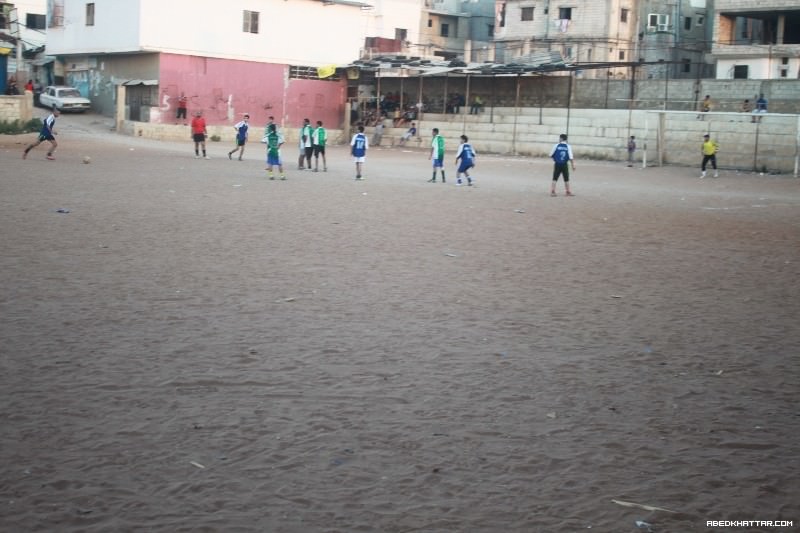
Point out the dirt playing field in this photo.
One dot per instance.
(189, 346)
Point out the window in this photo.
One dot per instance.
(4, 9)
(445, 30)
(621, 55)
(527, 13)
(400, 34)
(656, 22)
(740, 72)
(687, 65)
(310, 73)
(250, 22)
(56, 13)
(565, 13)
(700, 20)
(35, 22)
(430, 23)
(90, 14)
(784, 67)
(687, 23)
(623, 15)
(490, 30)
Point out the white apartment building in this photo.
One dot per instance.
(259, 55)
(757, 40)
(294, 32)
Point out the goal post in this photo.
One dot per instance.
(768, 142)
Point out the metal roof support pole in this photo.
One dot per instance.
(378, 96)
(419, 107)
(633, 97)
(464, 112)
(492, 103)
(797, 148)
(444, 101)
(516, 115)
(569, 101)
(662, 138)
(402, 103)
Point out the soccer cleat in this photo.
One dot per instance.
(283, 177)
(229, 156)
(51, 157)
(703, 175)
(716, 174)
(196, 156)
(206, 157)
(458, 182)
(469, 182)
(432, 180)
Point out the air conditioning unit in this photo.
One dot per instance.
(662, 27)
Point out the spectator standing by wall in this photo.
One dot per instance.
(631, 149)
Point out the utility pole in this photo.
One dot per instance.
(17, 34)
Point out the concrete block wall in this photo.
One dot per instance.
(599, 134)
(227, 135)
(13, 108)
(603, 135)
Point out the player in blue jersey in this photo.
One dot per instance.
(467, 156)
(358, 147)
(241, 136)
(562, 155)
(47, 133)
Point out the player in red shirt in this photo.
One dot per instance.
(199, 134)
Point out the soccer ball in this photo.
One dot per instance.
(87, 160)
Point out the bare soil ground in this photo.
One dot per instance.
(192, 347)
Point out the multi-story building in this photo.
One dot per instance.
(677, 32)
(582, 31)
(262, 57)
(392, 27)
(757, 40)
(611, 31)
(456, 29)
(21, 22)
